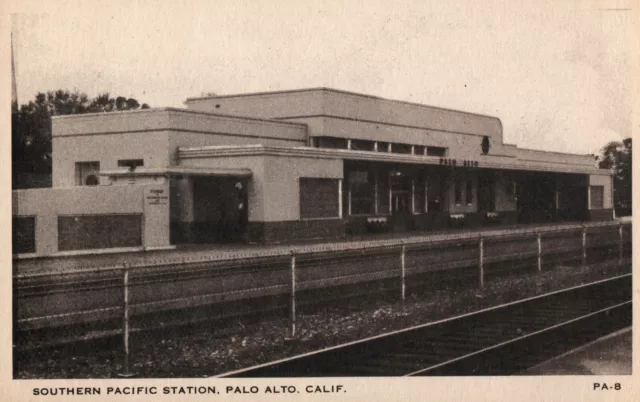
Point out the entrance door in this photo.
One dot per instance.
(220, 209)
(400, 203)
(486, 192)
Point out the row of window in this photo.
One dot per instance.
(87, 172)
(377, 146)
(319, 197)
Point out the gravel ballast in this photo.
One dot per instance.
(210, 350)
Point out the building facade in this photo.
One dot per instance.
(290, 165)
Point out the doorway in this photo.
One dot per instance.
(220, 209)
(400, 201)
(486, 192)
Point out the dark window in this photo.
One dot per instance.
(83, 172)
(419, 199)
(362, 145)
(401, 148)
(597, 197)
(458, 191)
(419, 150)
(331, 142)
(436, 151)
(469, 192)
(435, 193)
(318, 198)
(485, 145)
(132, 164)
(362, 192)
(24, 234)
(91, 180)
(83, 232)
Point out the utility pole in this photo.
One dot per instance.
(14, 91)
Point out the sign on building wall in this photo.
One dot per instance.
(156, 216)
(157, 196)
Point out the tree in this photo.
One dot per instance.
(31, 130)
(618, 156)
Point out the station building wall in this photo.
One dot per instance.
(153, 135)
(274, 194)
(267, 105)
(97, 217)
(191, 129)
(342, 114)
(255, 188)
(587, 161)
(603, 185)
(335, 113)
(459, 146)
(107, 150)
(330, 102)
(274, 198)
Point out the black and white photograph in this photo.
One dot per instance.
(322, 200)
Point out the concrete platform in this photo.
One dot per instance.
(610, 355)
(207, 252)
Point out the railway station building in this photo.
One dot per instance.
(283, 166)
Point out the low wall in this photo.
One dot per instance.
(290, 231)
(429, 221)
(50, 221)
(601, 214)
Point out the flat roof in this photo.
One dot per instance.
(178, 110)
(340, 91)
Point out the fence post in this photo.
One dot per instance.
(292, 312)
(125, 319)
(539, 252)
(481, 263)
(584, 245)
(403, 271)
(621, 245)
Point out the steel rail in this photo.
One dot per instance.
(392, 334)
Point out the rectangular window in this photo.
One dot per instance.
(132, 164)
(419, 187)
(362, 145)
(436, 151)
(82, 232)
(469, 192)
(318, 198)
(435, 193)
(401, 148)
(362, 192)
(87, 173)
(597, 197)
(24, 234)
(458, 191)
(331, 142)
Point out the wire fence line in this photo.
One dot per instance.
(122, 293)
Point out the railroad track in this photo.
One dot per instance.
(89, 304)
(497, 341)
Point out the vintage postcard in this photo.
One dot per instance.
(319, 200)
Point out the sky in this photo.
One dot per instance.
(557, 73)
